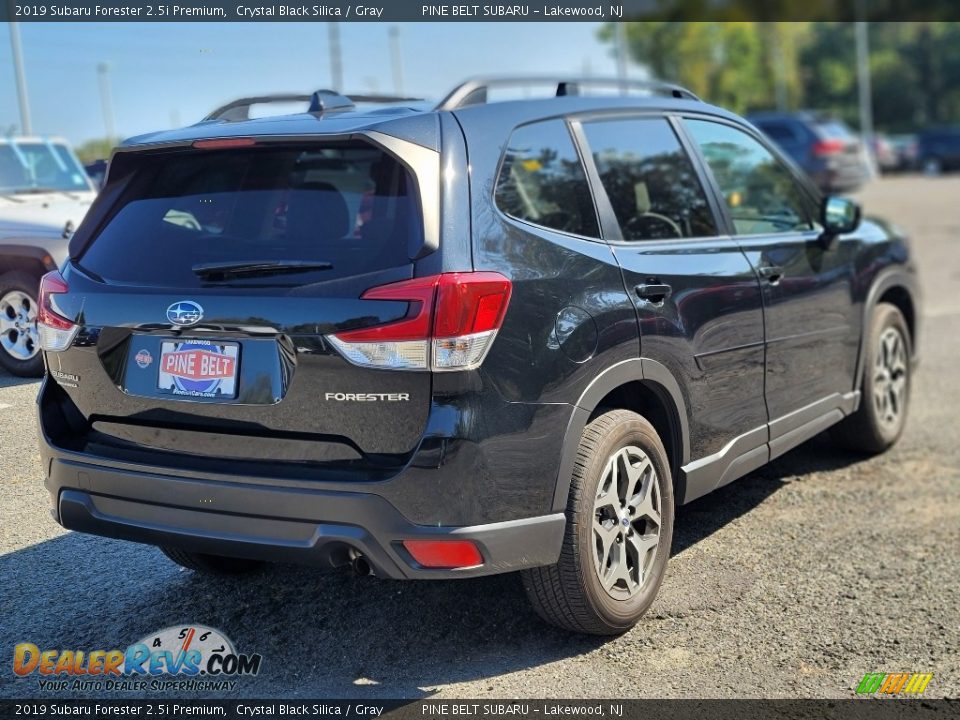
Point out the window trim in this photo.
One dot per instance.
(529, 223)
(610, 225)
(808, 190)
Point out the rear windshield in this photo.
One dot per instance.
(833, 130)
(351, 208)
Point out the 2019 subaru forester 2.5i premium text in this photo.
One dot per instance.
(476, 339)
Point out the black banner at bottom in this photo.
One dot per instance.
(853, 709)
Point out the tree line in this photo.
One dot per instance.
(750, 66)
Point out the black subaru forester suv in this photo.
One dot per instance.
(480, 338)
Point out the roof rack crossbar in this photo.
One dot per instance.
(474, 90)
(319, 102)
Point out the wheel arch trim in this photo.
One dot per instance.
(26, 252)
(650, 373)
(888, 279)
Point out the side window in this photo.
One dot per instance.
(651, 183)
(763, 196)
(542, 180)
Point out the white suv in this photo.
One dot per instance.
(44, 194)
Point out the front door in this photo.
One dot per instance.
(812, 324)
(697, 297)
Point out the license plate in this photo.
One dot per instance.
(198, 368)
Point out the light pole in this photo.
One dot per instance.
(103, 71)
(25, 127)
(863, 83)
(336, 62)
(396, 59)
(621, 30)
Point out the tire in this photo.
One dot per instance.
(570, 593)
(885, 390)
(19, 344)
(211, 564)
(932, 166)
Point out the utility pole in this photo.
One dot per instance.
(621, 30)
(865, 90)
(103, 71)
(336, 59)
(25, 127)
(396, 59)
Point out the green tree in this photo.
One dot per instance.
(741, 65)
(746, 66)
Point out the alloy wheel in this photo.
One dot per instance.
(18, 325)
(890, 377)
(626, 526)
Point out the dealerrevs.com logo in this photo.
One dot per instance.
(192, 657)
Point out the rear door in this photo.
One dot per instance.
(206, 295)
(697, 297)
(812, 323)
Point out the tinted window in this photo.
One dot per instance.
(542, 180)
(351, 206)
(649, 179)
(834, 130)
(762, 195)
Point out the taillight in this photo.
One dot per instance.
(56, 332)
(451, 322)
(829, 147)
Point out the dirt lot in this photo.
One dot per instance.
(792, 582)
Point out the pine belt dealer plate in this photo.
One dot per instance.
(198, 368)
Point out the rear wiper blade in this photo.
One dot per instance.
(223, 270)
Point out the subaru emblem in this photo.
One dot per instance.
(185, 312)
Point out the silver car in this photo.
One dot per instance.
(44, 194)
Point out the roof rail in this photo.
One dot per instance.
(319, 102)
(474, 90)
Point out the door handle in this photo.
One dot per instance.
(654, 292)
(771, 273)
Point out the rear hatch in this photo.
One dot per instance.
(205, 296)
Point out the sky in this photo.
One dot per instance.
(163, 75)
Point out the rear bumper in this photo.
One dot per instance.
(247, 520)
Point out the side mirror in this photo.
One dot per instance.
(838, 216)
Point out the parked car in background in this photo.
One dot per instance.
(884, 153)
(823, 146)
(938, 149)
(905, 147)
(97, 172)
(44, 194)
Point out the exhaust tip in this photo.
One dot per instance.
(361, 566)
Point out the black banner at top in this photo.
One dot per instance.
(486, 709)
(447, 11)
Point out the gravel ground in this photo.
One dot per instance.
(792, 582)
